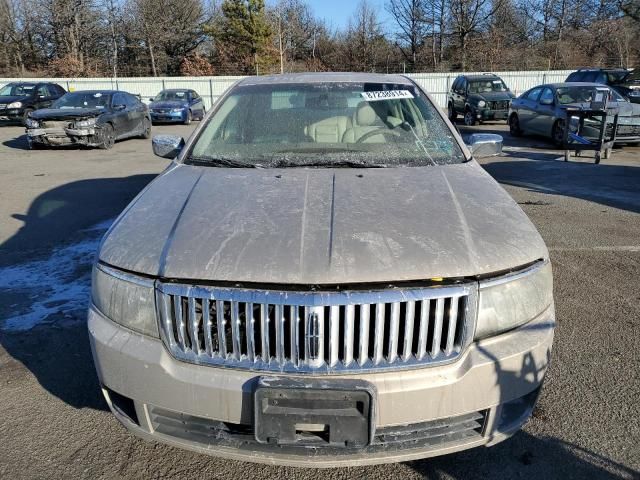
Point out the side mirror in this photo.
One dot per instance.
(167, 146)
(485, 144)
(119, 107)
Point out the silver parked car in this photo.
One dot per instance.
(323, 276)
(541, 111)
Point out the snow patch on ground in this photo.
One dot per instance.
(54, 290)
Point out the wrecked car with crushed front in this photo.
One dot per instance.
(93, 118)
(324, 276)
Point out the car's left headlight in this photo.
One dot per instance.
(125, 299)
(89, 122)
(513, 300)
(14, 105)
(482, 103)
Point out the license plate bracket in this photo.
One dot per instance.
(318, 413)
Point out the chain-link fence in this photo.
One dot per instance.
(210, 88)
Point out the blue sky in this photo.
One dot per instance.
(336, 13)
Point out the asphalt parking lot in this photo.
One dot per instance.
(56, 204)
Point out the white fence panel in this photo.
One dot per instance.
(210, 88)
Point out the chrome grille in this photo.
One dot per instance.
(316, 331)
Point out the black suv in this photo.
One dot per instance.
(625, 82)
(479, 98)
(18, 100)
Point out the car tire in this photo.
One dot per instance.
(25, 115)
(557, 133)
(469, 118)
(514, 126)
(189, 117)
(146, 128)
(108, 136)
(452, 113)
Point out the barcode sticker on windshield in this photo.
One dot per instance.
(386, 95)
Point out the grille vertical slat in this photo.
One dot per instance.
(279, 333)
(453, 322)
(349, 326)
(393, 332)
(295, 334)
(177, 307)
(437, 328)
(408, 330)
(250, 324)
(334, 331)
(208, 326)
(363, 353)
(235, 329)
(378, 344)
(424, 329)
(193, 325)
(264, 331)
(221, 323)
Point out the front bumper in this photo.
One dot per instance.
(488, 114)
(169, 117)
(494, 383)
(11, 115)
(64, 136)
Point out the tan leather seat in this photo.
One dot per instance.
(364, 121)
(329, 130)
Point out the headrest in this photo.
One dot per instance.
(365, 115)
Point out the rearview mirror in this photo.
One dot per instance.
(485, 144)
(167, 146)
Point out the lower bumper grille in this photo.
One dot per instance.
(499, 105)
(314, 332)
(435, 433)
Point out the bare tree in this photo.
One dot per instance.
(410, 17)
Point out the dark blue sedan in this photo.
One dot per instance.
(177, 105)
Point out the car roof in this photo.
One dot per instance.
(326, 77)
(486, 76)
(176, 90)
(575, 84)
(596, 69)
(103, 92)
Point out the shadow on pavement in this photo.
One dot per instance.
(45, 271)
(611, 185)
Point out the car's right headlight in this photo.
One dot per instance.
(125, 298)
(482, 103)
(513, 300)
(15, 105)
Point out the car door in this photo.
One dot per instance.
(137, 112)
(527, 108)
(120, 115)
(543, 117)
(460, 95)
(197, 104)
(43, 98)
(452, 92)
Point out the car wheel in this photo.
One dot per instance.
(146, 128)
(452, 113)
(469, 118)
(25, 115)
(557, 132)
(187, 120)
(514, 126)
(108, 136)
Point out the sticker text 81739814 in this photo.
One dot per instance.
(386, 95)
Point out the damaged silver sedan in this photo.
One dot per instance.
(95, 118)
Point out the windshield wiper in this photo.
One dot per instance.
(219, 162)
(325, 163)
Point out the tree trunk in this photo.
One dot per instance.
(153, 59)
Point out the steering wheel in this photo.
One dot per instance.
(373, 133)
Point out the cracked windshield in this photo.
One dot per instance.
(326, 124)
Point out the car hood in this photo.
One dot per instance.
(322, 226)
(66, 113)
(13, 98)
(167, 104)
(492, 96)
